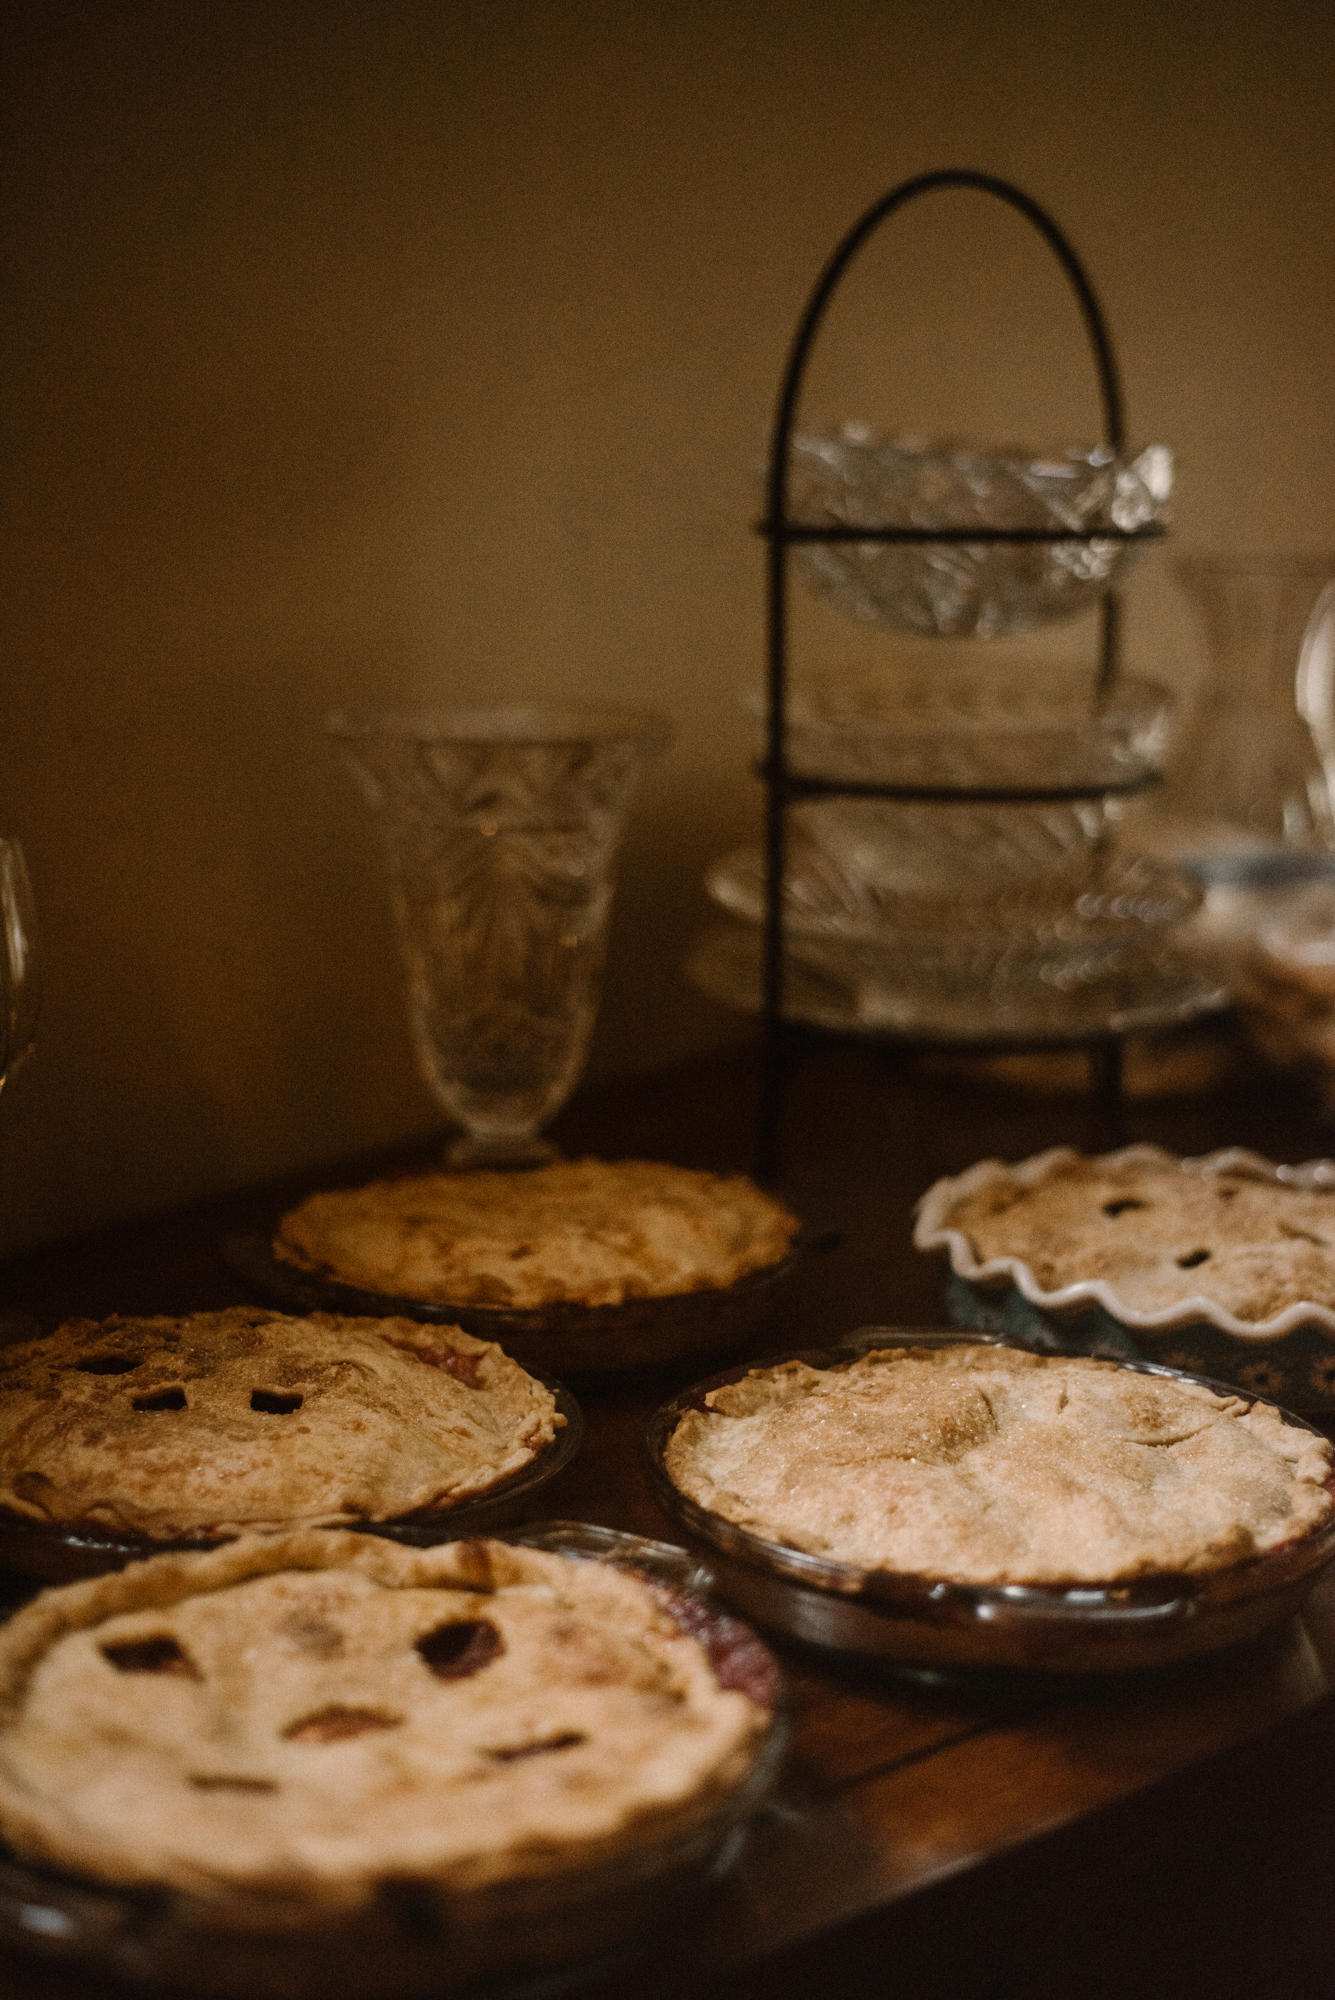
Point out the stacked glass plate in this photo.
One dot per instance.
(957, 919)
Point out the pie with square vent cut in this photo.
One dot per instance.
(199, 1428)
(577, 1232)
(298, 1731)
(984, 1465)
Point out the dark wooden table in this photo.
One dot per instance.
(1170, 1835)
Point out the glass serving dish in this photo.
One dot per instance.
(966, 992)
(516, 1941)
(930, 1625)
(566, 1337)
(1001, 724)
(1121, 902)
(854, 477)
(58, 1554)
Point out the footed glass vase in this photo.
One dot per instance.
(501, 829)
(1249, 801)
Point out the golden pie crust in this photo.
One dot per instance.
(590, 1232)
(985, 1465)
(1157, 1232)
(286, 1725)
(220, 1422)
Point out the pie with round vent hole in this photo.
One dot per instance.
(215, 1423)
(300, 1725)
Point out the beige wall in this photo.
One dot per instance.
(383, 350)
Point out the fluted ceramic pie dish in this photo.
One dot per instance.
(1288, 1354)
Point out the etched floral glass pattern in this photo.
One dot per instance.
(855, 478)
(501, 830)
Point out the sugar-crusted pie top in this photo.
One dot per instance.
(593, 1232)
(304, 1717)
(219, 1422)
(1158, 1231)
(985, 1465)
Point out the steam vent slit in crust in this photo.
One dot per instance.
(278, 1728)
(583, 1232)
(1250, 1240)
(212, 1424)
(984, 1465)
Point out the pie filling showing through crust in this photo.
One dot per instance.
(1157, 1230)
(988, 1466)
(587, 1232)
(292, 1725)
(220, 1422)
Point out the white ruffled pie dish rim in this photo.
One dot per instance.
(932, 1231)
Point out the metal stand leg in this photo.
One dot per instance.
(1105, 1076)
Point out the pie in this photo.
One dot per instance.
(985, 1465)
(589, 1232)
(1155, 1229)
(220, 1422)
(295, 1727)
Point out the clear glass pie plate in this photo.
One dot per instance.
(854, 477)
(518, 1940)
(930, 1624)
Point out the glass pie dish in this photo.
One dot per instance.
(931, 1625)
(854, 477)
(512, 1939)
(566, 1337)
(56, 1553)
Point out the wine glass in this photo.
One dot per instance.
(19, 996)
(20, 984)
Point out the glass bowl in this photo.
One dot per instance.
(855, 478)
(58, 1554)
(1031, 723)
(516, 1941)
(931, 1625)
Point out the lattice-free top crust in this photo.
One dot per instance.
(591, 1232)
(219, 1422)
(1157, 1241)
(284, 1725)
(983, 1465)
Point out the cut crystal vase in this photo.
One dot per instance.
(501, 830)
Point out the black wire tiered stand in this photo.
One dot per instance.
(784, 786)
